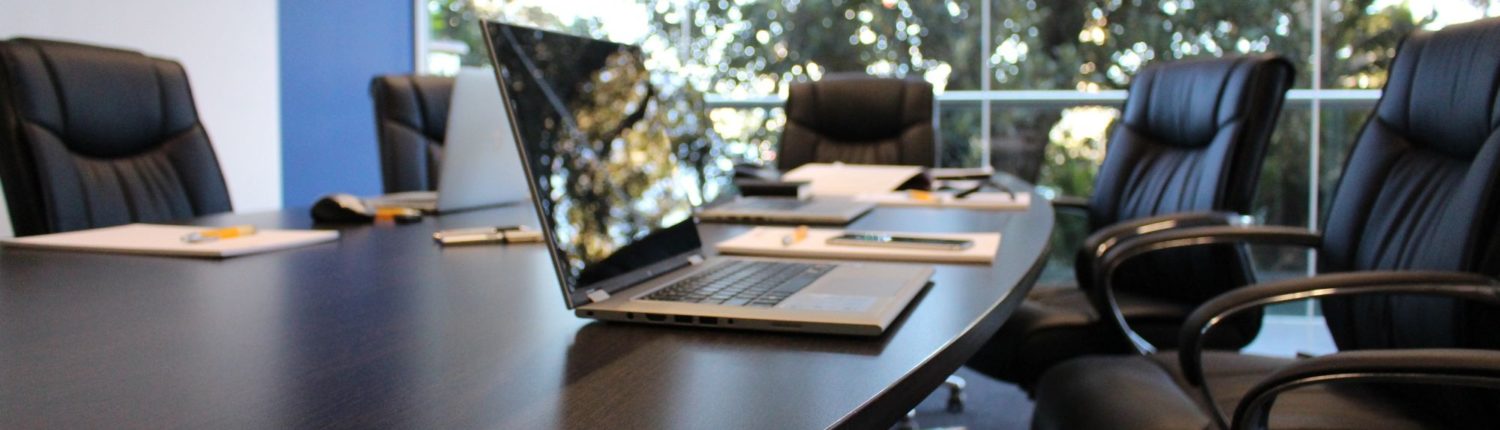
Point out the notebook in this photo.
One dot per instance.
(768, 242)
(839, 179)
(166, 240)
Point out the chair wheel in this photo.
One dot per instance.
(956, 405)
(955, 386)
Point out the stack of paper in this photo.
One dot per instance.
(946, 199)
(152, 239)
(768, 242)
(850, 179)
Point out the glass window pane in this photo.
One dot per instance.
(1282, 194)
(1074, 146)
(757, 47)
(1281, 199)
(1096, 45)
(959, 131)
(1075, 139)
(1360, 38)
(749, 134)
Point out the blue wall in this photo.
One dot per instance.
(329, 51)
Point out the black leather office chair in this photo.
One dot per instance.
(1418, 193)
(1192, 138)
(93, 137)
(411, 118)
(854, 118)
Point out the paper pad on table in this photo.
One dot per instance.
(981, 200)
(767, 242)
(154, 239)
(850, 179)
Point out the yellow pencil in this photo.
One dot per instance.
(797, 236)
(219, 233)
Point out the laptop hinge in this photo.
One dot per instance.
(596, 296)
(695, 259)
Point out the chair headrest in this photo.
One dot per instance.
(416, 101)
(1188, 103)
(1452, 75)
(101, 102)
(858, 108)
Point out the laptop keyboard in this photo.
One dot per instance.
(743, 283)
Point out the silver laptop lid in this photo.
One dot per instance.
(617, 158)
(480, 163)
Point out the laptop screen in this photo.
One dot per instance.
(617, 159)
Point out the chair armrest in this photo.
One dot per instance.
(1455, 367)
(1452, 284)
(1102, 295)
(1100, 242)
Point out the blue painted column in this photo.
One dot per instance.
(329, 51)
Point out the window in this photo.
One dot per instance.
(1028, 86)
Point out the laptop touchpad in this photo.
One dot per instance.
(855, 284)
(829, 302)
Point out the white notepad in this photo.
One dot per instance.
(155, 239)
(981, 200)
(767, 242)
(850, 179)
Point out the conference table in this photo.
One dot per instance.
(386, 329)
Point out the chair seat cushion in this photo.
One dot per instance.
(1149, 392)
(1057, 323)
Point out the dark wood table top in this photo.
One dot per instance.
(386, 329)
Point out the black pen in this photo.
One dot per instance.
(966, 193)
(1004, 189)
(1008, 193)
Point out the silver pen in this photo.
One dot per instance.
(465, 236)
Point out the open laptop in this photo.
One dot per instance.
(615, 197)
(480, 167)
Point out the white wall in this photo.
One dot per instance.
(230, 51)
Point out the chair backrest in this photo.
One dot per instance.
(93, 137)
(1192, 138)
(1419, 191)
(411, 118)
(858, 119)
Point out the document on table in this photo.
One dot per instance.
(989, 200)
(839, 179)
(155, 239)
(770, 242)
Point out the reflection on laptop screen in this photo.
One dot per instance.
(618, 158)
